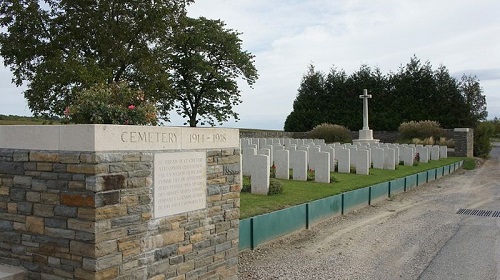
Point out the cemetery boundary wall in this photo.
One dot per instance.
(260, 229)
(120, 202)
(383, 136)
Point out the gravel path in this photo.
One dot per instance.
(395, 239)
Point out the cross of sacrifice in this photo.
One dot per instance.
(365, 97)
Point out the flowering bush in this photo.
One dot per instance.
(114, 103)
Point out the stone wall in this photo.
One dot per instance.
(464, 142)
(383, 136)
(90, 215)
(254, 133)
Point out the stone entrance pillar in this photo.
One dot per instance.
(120, 202)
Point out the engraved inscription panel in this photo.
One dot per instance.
(179, 183)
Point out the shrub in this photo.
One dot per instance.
(469, 164)
(246, 186)
(482, 134)
(331, 133)
(114, 103)
(275, 187)
(420, 130)
(450, 143)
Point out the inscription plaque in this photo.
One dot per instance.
(179, 183)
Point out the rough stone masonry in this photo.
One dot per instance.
(82, 202)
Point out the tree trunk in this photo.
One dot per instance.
(192, 121)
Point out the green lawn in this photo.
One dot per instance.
(297, 192)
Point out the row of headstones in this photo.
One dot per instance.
(259, 154)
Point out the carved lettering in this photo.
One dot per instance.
(148, 137)
(179, 183)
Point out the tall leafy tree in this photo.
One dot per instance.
(412, 87)
(60, 47)
(205, 59)
(308, 103)
(475, 101)
(449, 105)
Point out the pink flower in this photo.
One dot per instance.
(131, 107)
(66, 112)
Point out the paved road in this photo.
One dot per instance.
(473, 252)
(415, 235)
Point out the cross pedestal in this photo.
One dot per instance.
(365, 134)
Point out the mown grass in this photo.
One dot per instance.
(469, 164)
(298, 192)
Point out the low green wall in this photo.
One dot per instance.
(324, 208)
(439, 172)
(421, 178)
(379, 191)
(263, 228)
(397, 186)
(431, 174)
(355, 199)
(411, 182)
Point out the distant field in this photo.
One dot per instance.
(21, 120)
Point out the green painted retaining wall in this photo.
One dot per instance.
(324, 208)
(446, 170)
(421, 178)
(275, 224)
(263, 228)
(379, 191)
(439, 172)
(397, 186)
(431, 175)
(355, 199)
(411, 182)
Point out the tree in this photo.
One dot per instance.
(204, 60)
(309, 101)
(415, 93)
(61, 47)
(475, 101)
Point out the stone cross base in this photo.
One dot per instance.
(365, 136)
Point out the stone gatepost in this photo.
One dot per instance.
(464, 142)
(120, 202)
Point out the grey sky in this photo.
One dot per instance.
(287, 36)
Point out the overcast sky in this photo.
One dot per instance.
(287, 36)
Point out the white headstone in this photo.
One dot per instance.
(262, 142)
(378, 158)
(343, 160)
(362, 162)
(282, 164)
(313, 150)
(299, 165)
(246, 160)
(260, 174)
(331, 151)
(266, 152)
(443, 152)
(408, 156)
(423, 153)
(435, 153)
(322, 167)
(390, 159)
(271, 152)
